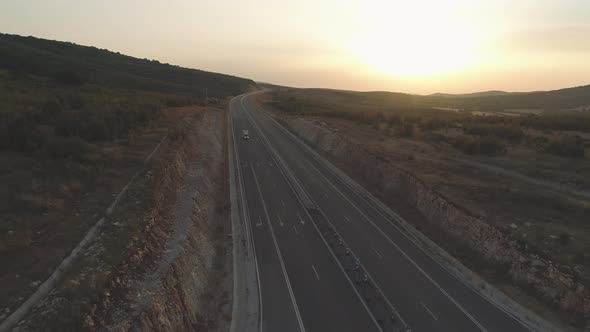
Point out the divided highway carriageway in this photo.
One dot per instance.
(327, 257)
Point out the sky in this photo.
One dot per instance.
(419, 46)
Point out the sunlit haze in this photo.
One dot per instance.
(409, 46)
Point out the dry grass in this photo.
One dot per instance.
(50, 204)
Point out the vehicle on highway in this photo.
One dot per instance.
(245, 134)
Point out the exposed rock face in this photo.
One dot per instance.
(174, 296)
(556, 284)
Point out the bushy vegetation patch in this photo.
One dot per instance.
(468, 132)
(566, 146)
(56, 98)
(477, 145)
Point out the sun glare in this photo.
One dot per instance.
(415, 39)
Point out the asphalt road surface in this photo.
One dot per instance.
(334, 261)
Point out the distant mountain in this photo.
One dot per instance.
(470, 95)
(495, 100)
(567, 98)
(75, 64)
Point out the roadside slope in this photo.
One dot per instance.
(163, 259)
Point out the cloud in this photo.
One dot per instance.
(557, 39)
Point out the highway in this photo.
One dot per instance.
(328, 258)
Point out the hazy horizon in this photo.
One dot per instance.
(420, 47)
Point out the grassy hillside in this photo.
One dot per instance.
(69, 113)
(55, 97)
(74, 64)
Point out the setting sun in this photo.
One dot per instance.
(402, 39)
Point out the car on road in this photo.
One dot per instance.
(245, 134)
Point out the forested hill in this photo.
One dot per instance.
(73, 64)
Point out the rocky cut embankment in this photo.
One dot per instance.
(189, 281)
(160, 262)
(556, 284)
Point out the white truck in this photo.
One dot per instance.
(245, 134)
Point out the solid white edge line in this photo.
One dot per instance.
(249, 232)
(315, 271)
(233, 205)
(240, 181)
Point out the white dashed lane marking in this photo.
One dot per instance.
(428, 310)
(316, 272)
(280, 221)
(377, 253)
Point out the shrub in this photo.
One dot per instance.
(68, 76)
(412, 119)
(477, 145)
(19, 132)
(490, 146)
(463, 143)
(391, 119)
(564, 239)
(96, 130)
(68, 124)
(177, 101)
(51, 108)
(566, 146)
(406, 130)
(433, 124)
(574, 122)
(76, 101)
(511, 132)
(66, 147)
(540, 140)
